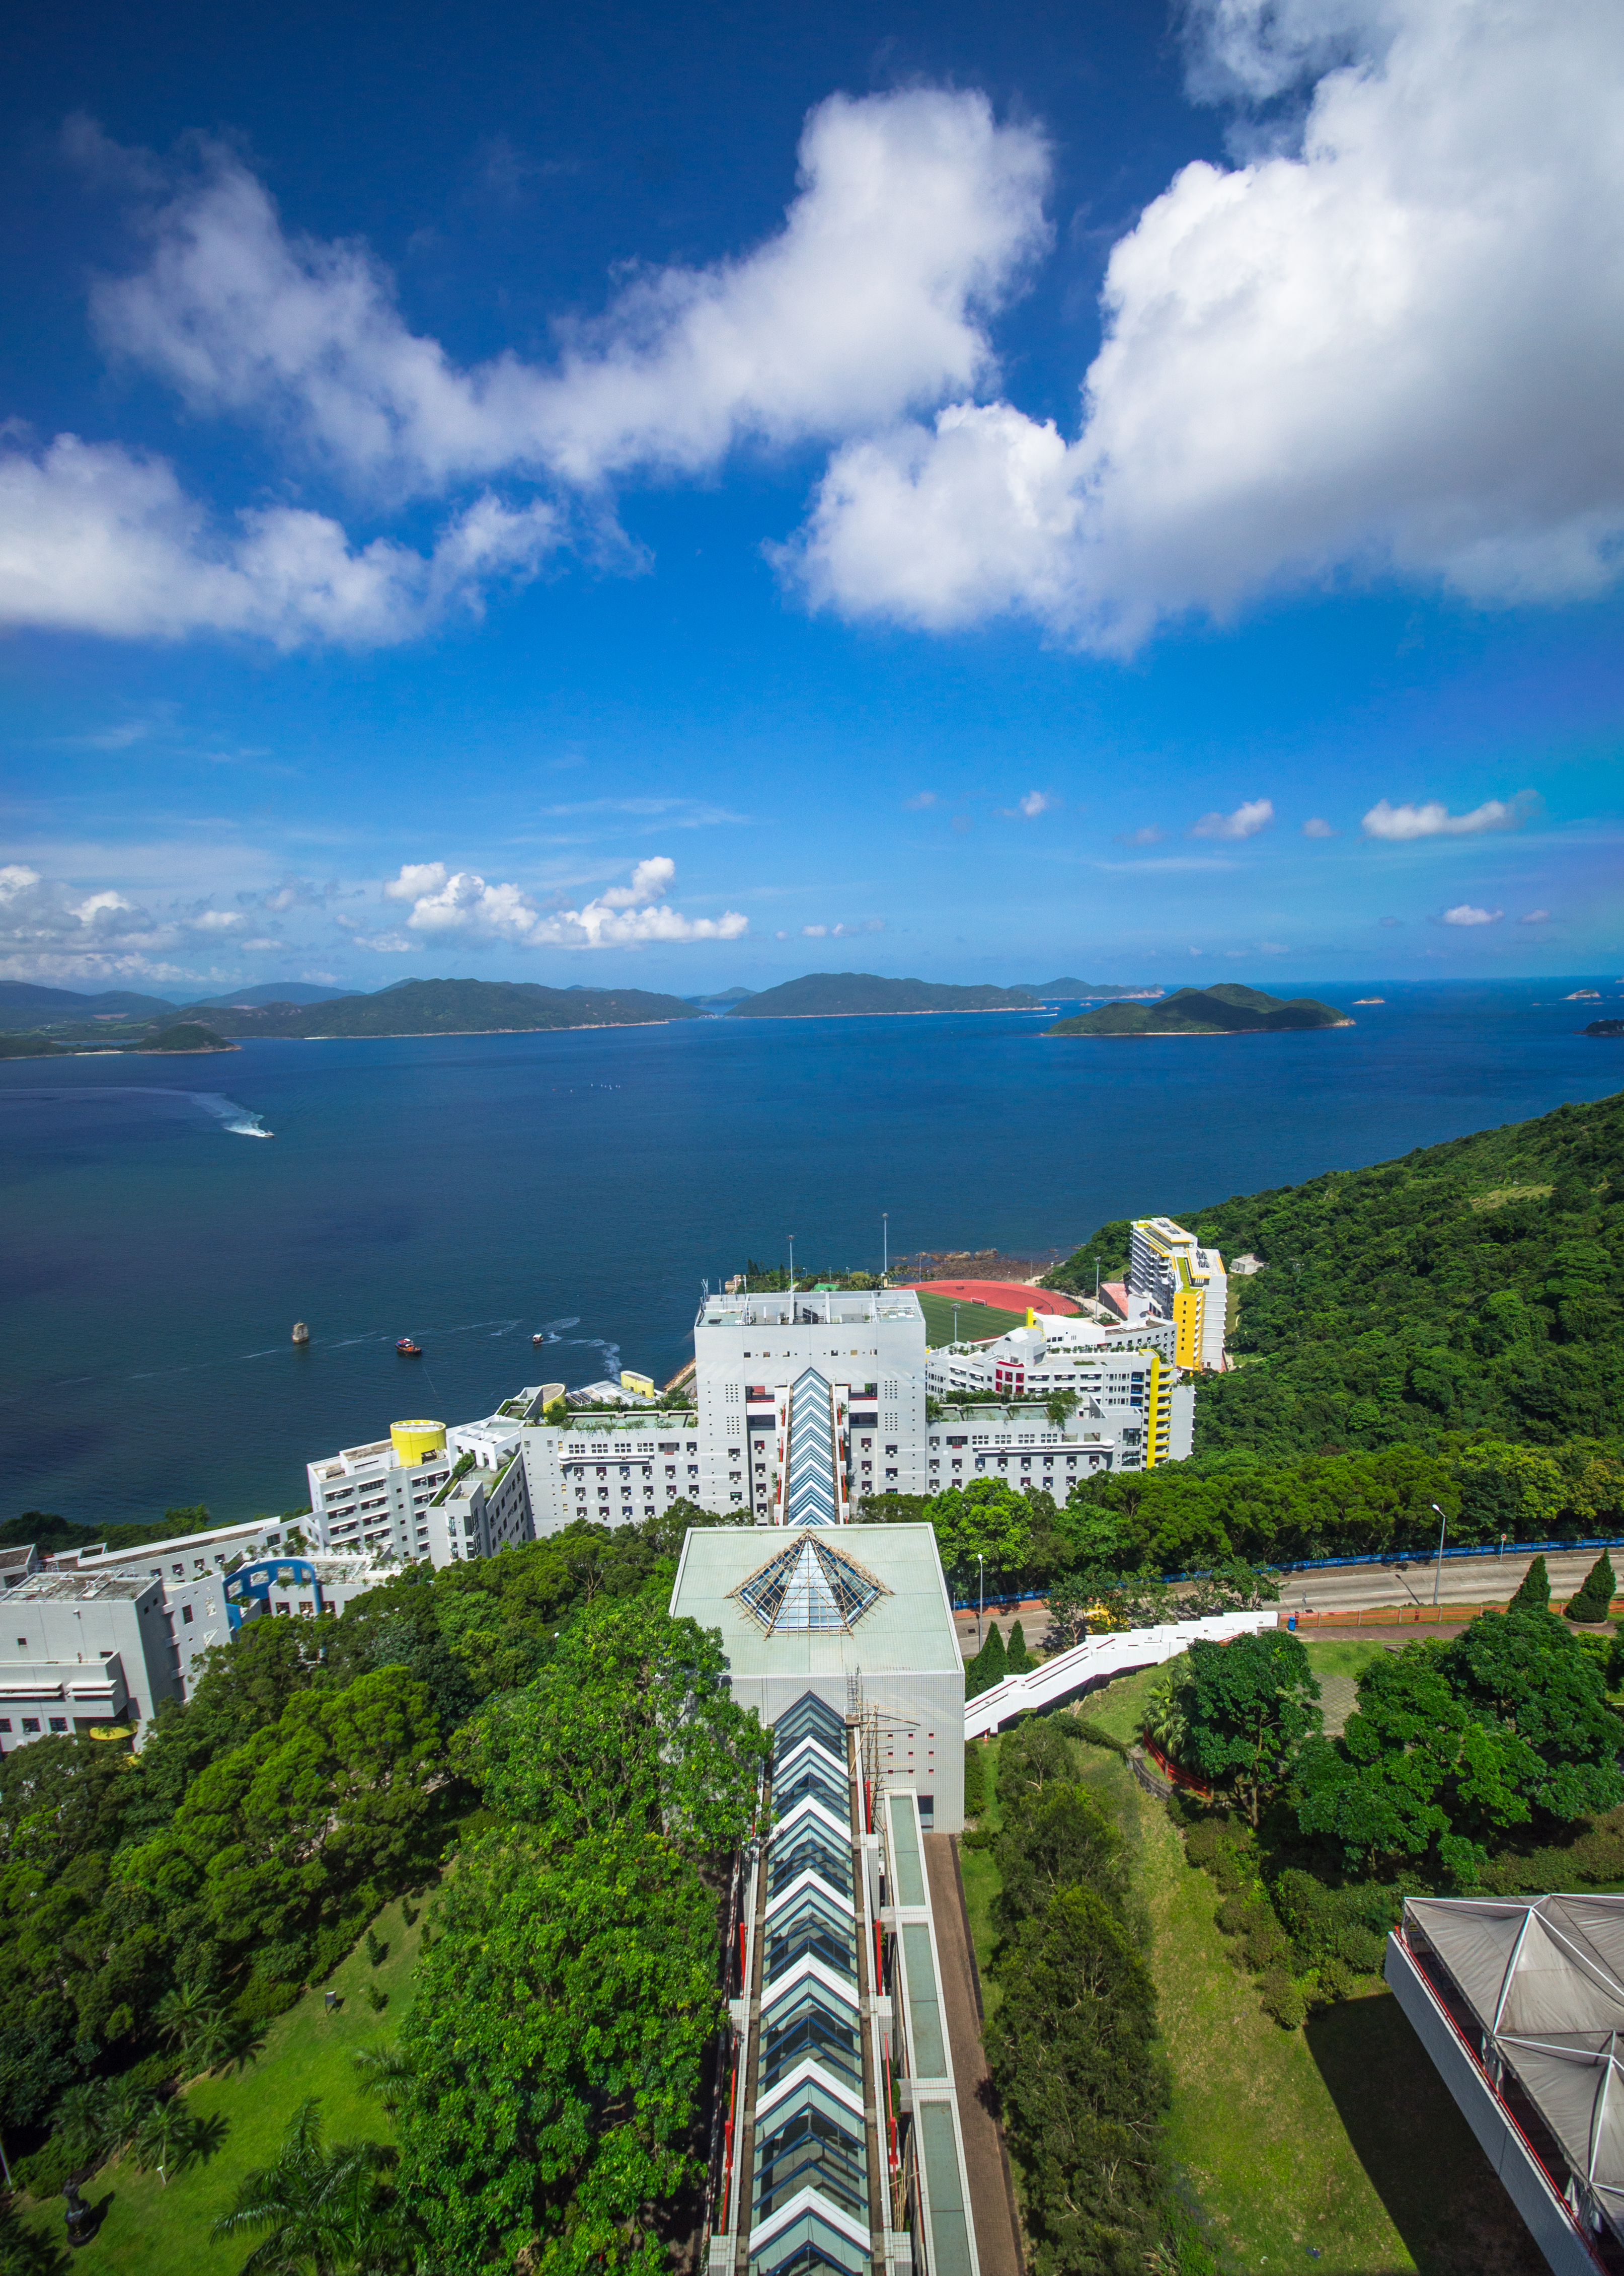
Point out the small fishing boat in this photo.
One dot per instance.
(408, 1349)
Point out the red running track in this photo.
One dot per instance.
(1002, 1295)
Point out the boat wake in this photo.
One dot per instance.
(237, 1121)
(240, 1121)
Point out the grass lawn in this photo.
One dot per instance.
(149, 2230)
(1349, 1657)
(975, 1320)
(1337, 2139)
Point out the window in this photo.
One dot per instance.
(31, 1726)
(58, 1723)
(22, 1643)
(5, 1726)
(186, 1615)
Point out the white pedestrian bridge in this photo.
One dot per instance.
(1099, 1657)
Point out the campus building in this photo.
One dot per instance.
(406, 1496)
(840, 2144)
(1187, 1284)
(863, 1611)
(1124, 1401)
(82, 1652)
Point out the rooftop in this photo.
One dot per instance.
(908, 1625)
(84, 1588)
(808, 1308)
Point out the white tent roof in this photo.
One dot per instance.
(1544, 1980)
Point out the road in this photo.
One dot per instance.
(1485, 1580)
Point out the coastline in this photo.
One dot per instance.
(1191, 1034)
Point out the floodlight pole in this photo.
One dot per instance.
(791, 1264)
(885, 1246)
(1443, 1527)
(981, 1596)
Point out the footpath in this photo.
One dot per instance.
(993, 2197)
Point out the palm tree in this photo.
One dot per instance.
(1165, 1719)
(167, 2139)
(319, 2209)
(385, 2072)
(184, 2011)
(81, 2118)
(125, 2112)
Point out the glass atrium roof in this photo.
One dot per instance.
(809, 1585)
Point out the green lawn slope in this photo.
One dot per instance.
(149, 2229)
(1335, 2145)
(1468, 1287)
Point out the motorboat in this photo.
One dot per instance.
(408, 1349)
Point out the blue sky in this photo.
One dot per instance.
(679, 497)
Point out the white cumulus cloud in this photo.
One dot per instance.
(95, 538)
(52, 932)
(1316, 826)
(1251, 816)
(915, 215)
(446, 903)
(1464, 913)
(1432, 819)
(1397, 347)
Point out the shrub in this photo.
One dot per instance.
(1224, 1850)
(1346, 1925)
(1534, 1595)
(45, 2173)
(975, 1778)
(376, 1951)
(1282, 1999)
(377, 1999)
(1017, 1657)
(408, 1913)
(1594, 1600)
(1098, 1735)
(259, 2002)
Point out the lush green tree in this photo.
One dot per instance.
(1594, 1600)
(1533, 1593)
(990, 1665)
(1250, 1704)
(328, 1801)
(324, 2208)
(1453, 1745)
(986, 1518)
(556, 2048)
(1070, 2050)
(1020, 1659)
(1053, 1840)
(632, 1724)
(1166, 1722)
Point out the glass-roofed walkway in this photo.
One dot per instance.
(837, 2146)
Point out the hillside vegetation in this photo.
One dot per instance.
(834, 995)
(1228, 1009)
(1469, 1288)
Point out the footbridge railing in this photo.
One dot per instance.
(1100, 1657)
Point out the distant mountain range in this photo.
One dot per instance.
(294, 1008)
(1226, 1009)
(274, 991)
(848, 995)
(1073, 991)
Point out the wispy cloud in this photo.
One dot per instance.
(1400, 824)
(1253, 814)
(1464, 913)
(1035, 802)
(1316, 826)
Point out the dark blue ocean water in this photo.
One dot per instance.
(472, 1190)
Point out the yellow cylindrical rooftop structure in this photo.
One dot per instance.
(414, 1442)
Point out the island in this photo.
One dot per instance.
(854, 994)
(187, 1035)
(1226, 1009)
(1604, 1027)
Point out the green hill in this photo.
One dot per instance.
(23, 1004)
(187, 1035)
(849, 994)
(1226, 1009)
(1468, 1287)
(447, 1008)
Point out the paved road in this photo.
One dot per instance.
(1487, 1580)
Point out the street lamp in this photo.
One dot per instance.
(981, 1596)
(885, 1240)
(1443, 1527)
(791, 1263)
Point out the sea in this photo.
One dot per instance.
(166, 1221)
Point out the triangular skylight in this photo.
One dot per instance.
(806, 1584)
